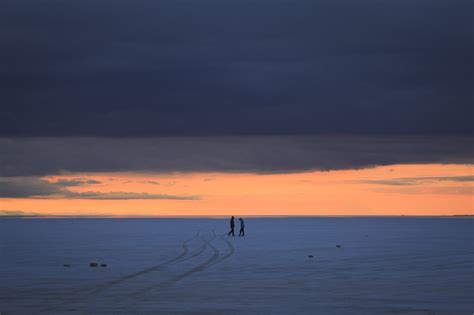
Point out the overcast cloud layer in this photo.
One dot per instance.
(47, 156)
(227, 67)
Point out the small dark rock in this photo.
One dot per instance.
(92, 264)
(103, 265)
(310, 256)
(66, 265)
(338, 246)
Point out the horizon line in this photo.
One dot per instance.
(107, 216)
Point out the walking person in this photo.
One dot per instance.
(232, 225)
(242, 227)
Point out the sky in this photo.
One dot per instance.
(180, 107)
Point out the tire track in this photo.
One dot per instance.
(175, 279)
(214, 259)
(181, 257)
(178, 258)
(230, 253)
(84, 293)
(198, 268)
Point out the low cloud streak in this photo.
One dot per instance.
(409, 181)
(36, 188)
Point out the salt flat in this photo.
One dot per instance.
(189, 266)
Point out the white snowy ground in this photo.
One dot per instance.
(176, 266)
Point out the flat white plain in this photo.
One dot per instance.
(190, 266)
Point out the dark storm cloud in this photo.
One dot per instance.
(269, 154)
(182, 67)
(33, 187)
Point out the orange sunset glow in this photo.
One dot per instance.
(432, 189)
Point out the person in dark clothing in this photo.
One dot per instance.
(242, 227)
(232, 225)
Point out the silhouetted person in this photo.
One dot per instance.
(232, 225)
(242, 227)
